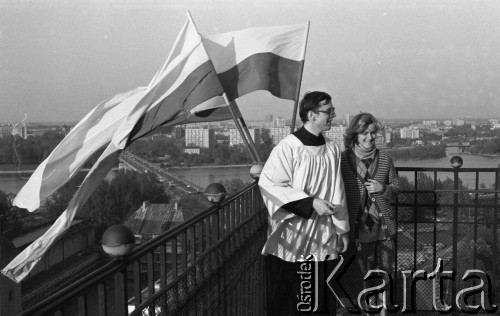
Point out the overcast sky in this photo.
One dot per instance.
(394, 58)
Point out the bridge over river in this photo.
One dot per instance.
(131, 161)
(458, 145)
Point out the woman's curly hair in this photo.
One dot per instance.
(358, 125)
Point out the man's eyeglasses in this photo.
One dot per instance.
(329, 112)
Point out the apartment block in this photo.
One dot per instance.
(429, 123)
(236, 139)
(410, 132)
(19, 129)
(336, 134)
(5, 130)
(279, 122)
(278, 133)
(192, 150)
(199, 137)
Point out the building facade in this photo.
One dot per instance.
(236, 139)
(279, 122)
(458, 122)
(336, 134)
(409, 132)
(429, 123)
(5, 130)
(18, 129)
(192, 150)
(199, 137)
(278, 133)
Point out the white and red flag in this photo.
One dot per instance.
(263, 58)
(186, 81)
(189, 87)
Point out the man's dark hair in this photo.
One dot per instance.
(312, 101)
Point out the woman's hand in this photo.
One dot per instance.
(373, 186)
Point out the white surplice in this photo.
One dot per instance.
(294, 172)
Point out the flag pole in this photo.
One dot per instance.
(243, 129)
(247, 132)
(297, 95)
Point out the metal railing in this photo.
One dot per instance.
(200, 265)
(450, 214)
(211, 265)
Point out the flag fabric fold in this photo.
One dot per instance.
(189, 87)
(186, 81)
(93, 132)
(22, 264)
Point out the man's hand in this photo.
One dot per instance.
(343, 242)
(323, 207)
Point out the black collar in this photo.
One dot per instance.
(309, 139)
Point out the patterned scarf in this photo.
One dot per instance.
(365, 168)
(363, 153)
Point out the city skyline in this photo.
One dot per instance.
(395, 59)
(288, 120)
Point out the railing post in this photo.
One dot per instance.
(101, 299)
(455, 228)
(495, 232)
(10, 296)
(120, 280)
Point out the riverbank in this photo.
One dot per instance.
(22, 168)
(17, 171)
(483, 155)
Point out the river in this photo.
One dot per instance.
(204, 176)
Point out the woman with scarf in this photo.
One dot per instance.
(370, 182)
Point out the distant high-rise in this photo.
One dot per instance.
(336, 134)
(236, 139)
(269, 118)
(20, 129)
(409, 132)
(279, 122)
(380, 139)
(429, 123)
(5, 130)
(388, 135)
(199, 137)
(278, 133)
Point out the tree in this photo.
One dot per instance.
(11, 217)
(5, 206)
(426, 183)
(490, 147)
(233, 186)
(59, 200)
(115, 200)
(265, 146)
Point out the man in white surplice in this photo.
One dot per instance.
(303, 190)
